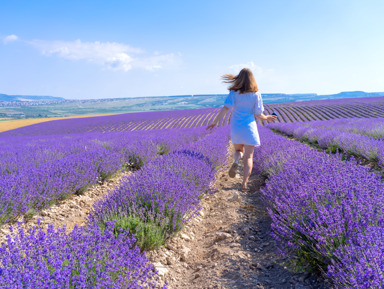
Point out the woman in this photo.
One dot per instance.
(245, 99)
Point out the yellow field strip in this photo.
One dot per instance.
(212, 116)
(166, 124)
(205, 120)
(13, 124)
(196, 121)
(172, 123)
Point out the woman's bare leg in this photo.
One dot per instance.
(239, 151)
(248, 163)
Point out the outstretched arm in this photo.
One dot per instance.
(266, 117)
(218, 117)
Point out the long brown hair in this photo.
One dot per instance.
(243, 82)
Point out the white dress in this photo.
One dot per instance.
(243, 125)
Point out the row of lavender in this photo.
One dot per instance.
(326, 210)
(328, 109)
(122, 122)
(372, 127)
(84, 258)
(334, 136)
(153, 203)
(157, 200)
(36, 171)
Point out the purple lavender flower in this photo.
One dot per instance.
(83, 258)
(326, 210)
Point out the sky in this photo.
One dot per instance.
(88, 49)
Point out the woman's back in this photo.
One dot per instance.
(244, 104)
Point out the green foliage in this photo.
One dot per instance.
(134, 162)
(150, 232)
(30, 213)
(162, 149)
(103, 175)
(149, 236)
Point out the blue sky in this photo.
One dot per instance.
(104, 49)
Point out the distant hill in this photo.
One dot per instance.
(202, 98)
(353, 94)
(282, 97)
(6, 97)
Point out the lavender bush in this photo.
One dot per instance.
(351, 143)
(157, 200)
(328, 211)
(83, 258)
(372, 127)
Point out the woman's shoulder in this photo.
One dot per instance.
(256, 94)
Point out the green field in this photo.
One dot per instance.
(110, 106)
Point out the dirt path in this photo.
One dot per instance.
(69, 212)
(228, 245)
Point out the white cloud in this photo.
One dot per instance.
(157, 61)
(111, 55)
(10, 38)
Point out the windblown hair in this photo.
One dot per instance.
(243, 82)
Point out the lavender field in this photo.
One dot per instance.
(45, 163)
(324, 209)
(328, 211)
